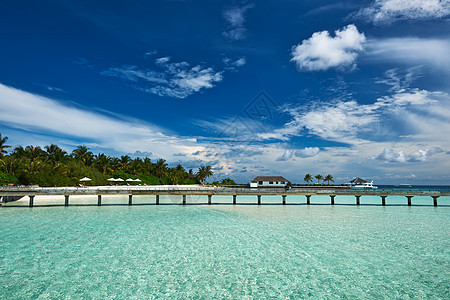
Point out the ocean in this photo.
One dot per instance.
(226, 251)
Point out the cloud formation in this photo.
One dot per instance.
(301, 153)
(30, 112)
(231, 64)
(177, 80)
(411, 51)
(389, 11)
(322, 52)
(405, 112)
(235, 17)
(307, 152)
(389, 155)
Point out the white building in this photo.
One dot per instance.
(269, 181)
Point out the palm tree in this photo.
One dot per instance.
(3, 146)
(147, 166)
(161, 168)
(34, 153)
(9, 165)
(178, 173)
(82, 154)
(135, 166)
(124, 161)
(227, 181)
(55, 155)
(203, 173)
(103, 163)
(308, 178)
(174, 176)
(319, 178)
(329, 178)
(115, 163)
(33, 167)
(19, 152)
(190, 174)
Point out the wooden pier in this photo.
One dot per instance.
(184, 191)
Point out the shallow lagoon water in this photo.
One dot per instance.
(247, 251)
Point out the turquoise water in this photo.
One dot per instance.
(294, 251)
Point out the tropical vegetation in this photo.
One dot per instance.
(309, 178)
(53, 166)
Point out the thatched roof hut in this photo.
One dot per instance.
(357, 180)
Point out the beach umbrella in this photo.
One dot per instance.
(137, 180)
(129, 180)
(119, 179)
(111, 179)
(85, 179)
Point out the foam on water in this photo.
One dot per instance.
(296, 251)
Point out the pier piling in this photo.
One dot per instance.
(435, 198)
(409, 200)
(332, 199)
(308, 199)
(31, 203)
(209, 199)
(157, 200)
(259, 199)
(99, 200)
(130, 199)
(284, 199)
(383, 200)
(184, 199)
(66, 200)
(234, 199)
(358, 202)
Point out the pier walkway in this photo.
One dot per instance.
(9, 193)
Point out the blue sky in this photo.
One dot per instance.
(350, 88)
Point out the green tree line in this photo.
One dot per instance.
(309, 178)
(53, 166)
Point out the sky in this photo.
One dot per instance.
(270, 87)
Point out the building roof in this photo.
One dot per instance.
(269, 178)
(358, 180)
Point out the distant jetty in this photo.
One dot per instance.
(209, 191)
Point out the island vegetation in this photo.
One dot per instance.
(309, 178)
(53, 166)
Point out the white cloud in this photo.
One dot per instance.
(231, 64)
(177, 80)
(307, 152)
(340, 121)
(399, 79)
(388, 11)
(412, 97)
(301, 153)
(150, 53)
(162, 60)
(390, 156)
(240, 62)
(235, 17)
(411, 51)
(418, 155)
(287, 155)
(188, 82)
(134, 74)
(321, 51)
(353, 123)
